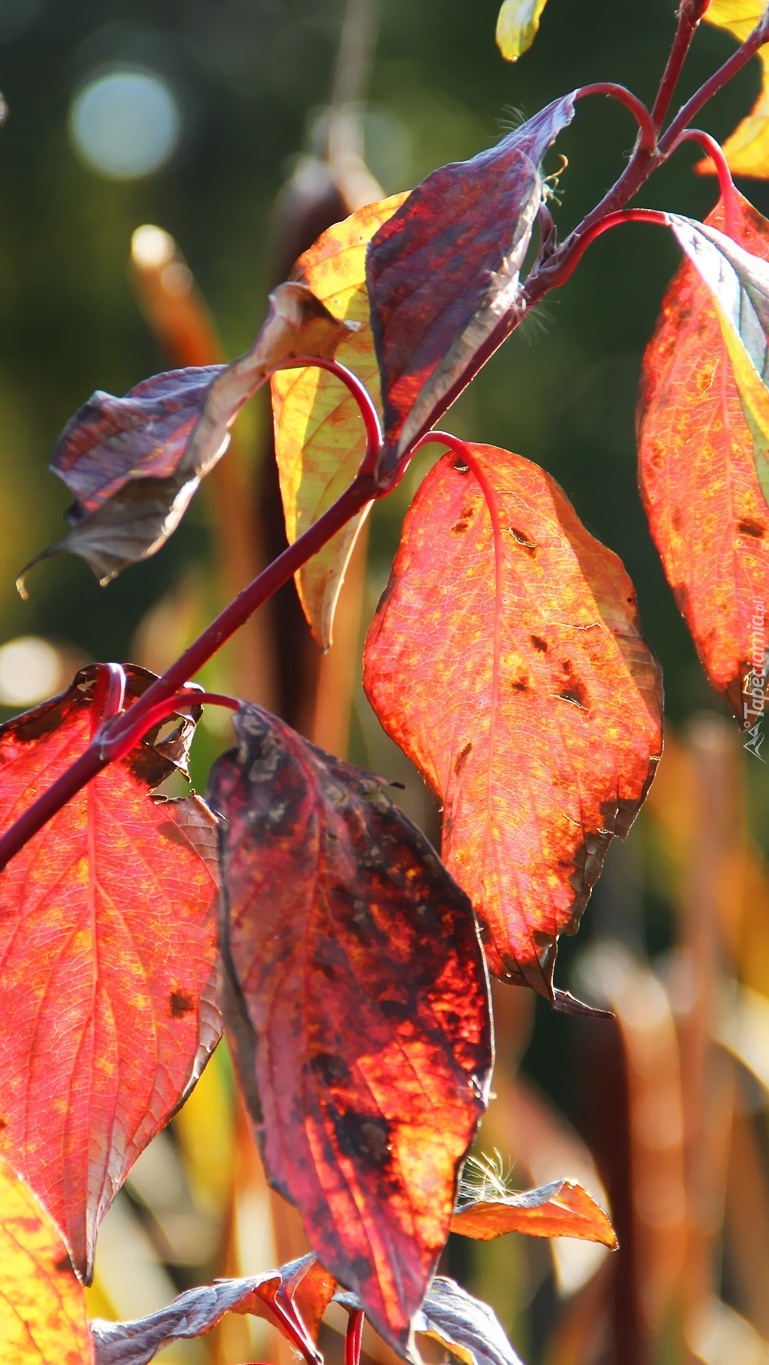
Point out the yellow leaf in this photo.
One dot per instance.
(517, 27)
(319, 440)
(747, 150)
(42, 1305)
(738, 16)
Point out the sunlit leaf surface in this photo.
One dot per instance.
(319, 438)
(42, 1305)
(108, 962)
(560, 1209)
(698, 475)
(360, 1019)
(507, 661)
(517, 26)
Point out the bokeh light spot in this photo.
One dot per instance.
(30, 671)
(125, 124)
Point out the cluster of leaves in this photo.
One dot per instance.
(506, 659)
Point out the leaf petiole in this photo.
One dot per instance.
(647, 129)
(354, 1337)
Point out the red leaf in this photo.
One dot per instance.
(293, 1298)
(698, 477)
(42, 1306)
(560, 1209)
(134, 463)
(526, 696)
(443, 273)
(108, 959)
(361, 1029)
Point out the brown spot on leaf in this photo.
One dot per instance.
(462, 758)
(749, 527)
(460, 526)
(521, 685)
(572, 695)
(180, 1003)
(63, 1264)
(522, 540)
(539, 643)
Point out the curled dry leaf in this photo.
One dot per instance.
(108, 957)
(506, 660)
(42, 1305)
(360, 1019)
(443, 273)
(293, 1298)
(560, 1209)
(319, 439)
(698, 477)
(134, 463)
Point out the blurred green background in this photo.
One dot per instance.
(228, 98)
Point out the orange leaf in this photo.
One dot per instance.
(527, 697)
(108, 959)
(360, 1020)
(42, 1306)
(319, 439)
(560, 1209)
(698, 477)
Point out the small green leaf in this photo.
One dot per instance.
(517, 27)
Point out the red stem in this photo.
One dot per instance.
(726, 185)
(113, 747)
(354, 1337)
(647, 130)
(717, 81)
(361, 395)
(690, 13)
(302, 1342)
(108, 694)
(120, 734)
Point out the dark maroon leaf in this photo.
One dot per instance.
(443, 273)
(282, 1296)
(134, 463)
(360, 1019)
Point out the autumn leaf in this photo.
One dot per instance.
(281, 1296)
(134, 463)
(698, 477)
(739, 286)
(443, 274)
(506, 660)
(319, 440)
(42, 1305)
(747, 150)
(560, 1209)
(108, 960)
(465, 1326)
(359, 1021)
(517, 26)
